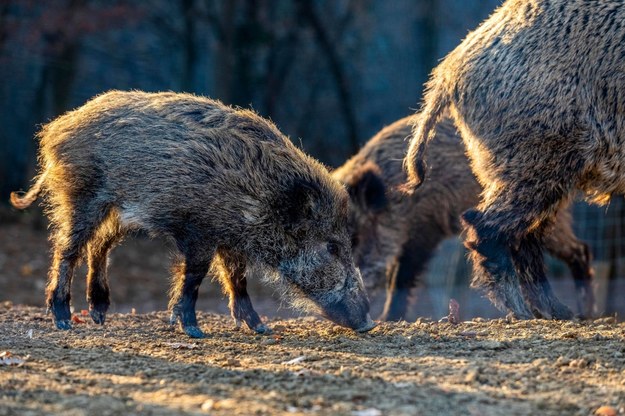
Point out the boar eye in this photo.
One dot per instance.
(333, 248)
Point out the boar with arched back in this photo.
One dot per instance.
(538, 95)
(395, 235)
(224, 184)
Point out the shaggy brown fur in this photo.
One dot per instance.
(224, 184)
(395, 234)
(538, 95)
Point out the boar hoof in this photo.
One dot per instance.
(561, 312)
(194, 332)
(262, 329)
(97, 316)
(63, 324)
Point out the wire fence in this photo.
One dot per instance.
(603, 228)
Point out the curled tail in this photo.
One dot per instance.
(436, 101)
(21, 200)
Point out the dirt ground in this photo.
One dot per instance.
(139, 364)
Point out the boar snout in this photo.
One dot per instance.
(351, 310)
(341, 313)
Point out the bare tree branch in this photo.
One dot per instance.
(308, 13)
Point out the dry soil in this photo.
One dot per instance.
(139, 364)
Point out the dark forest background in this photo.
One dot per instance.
(330, 73)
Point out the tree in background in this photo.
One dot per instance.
(329, 73)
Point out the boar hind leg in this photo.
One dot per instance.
(58, 290)
(98, 293)
(234, 282)
(188, 275)
(69, 242)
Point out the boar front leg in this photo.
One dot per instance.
(529, 261)
(561, 242)
(188, 276)
(403, 277)
(234, 282)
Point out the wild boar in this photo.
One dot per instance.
(395, 234)
(537, 93)
(224, 184)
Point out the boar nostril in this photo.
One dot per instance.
(368, 326)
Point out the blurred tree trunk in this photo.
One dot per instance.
(53, 92)
(51, 96)
(4, 12)
(309, 15)
(427, 28)
(246, 44)
(8, 181)
(190, 45)
(279, 63)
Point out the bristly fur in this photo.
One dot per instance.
(395, 244)
(224, 184)
(537, 93)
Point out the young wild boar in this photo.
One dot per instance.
(224, 184)
(396, 234)
(538, 95)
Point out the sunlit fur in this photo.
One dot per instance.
(537, 93)
(223, 183)
(394, 244)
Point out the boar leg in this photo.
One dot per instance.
(561, 242)
(234, 282)
(493, 269)
(98, 293)
(58, 290)
(505, 242)
(68, 241)
(534, 284)
(402, 278)
(184, 291)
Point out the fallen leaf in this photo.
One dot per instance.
(208, 405)
(181, 345)
(454, 312)
(367, 412)
(606, 411)
(76, 319)
(84, 312)
(233, 362)
(8, 359)
(296, 360)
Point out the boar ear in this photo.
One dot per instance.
(300, 202)
(369, 190)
